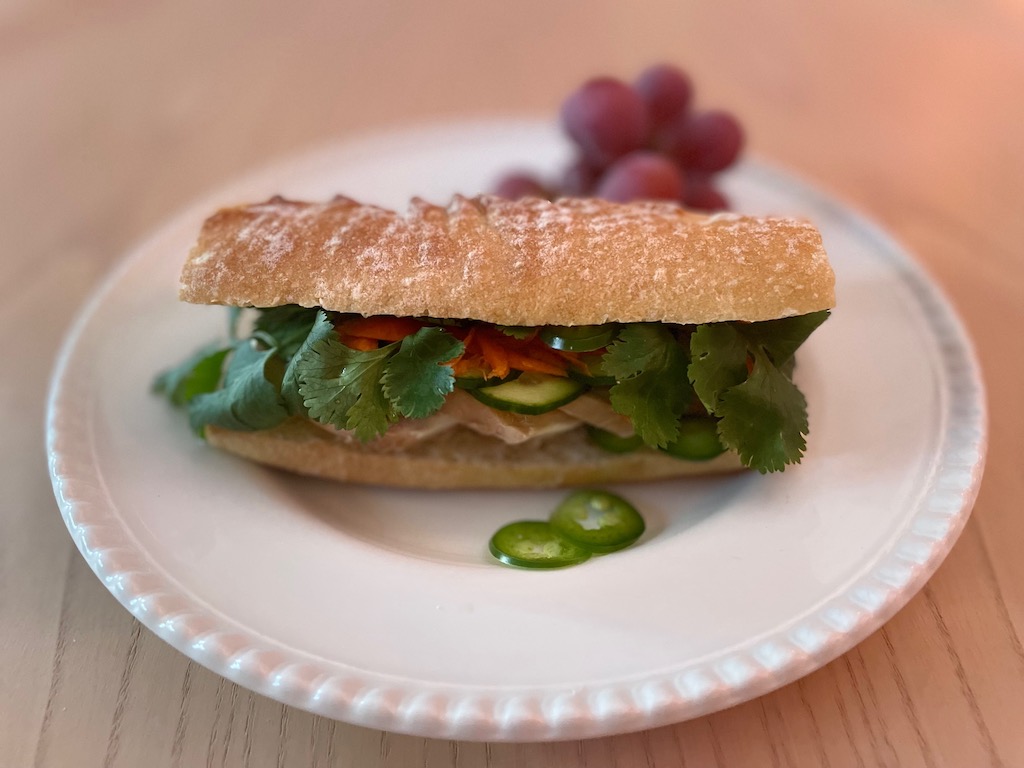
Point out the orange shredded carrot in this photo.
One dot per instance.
(553, 357)
(359, 342)
(493, 353)
(486, 350)
(523, 362)
(469, 360)
(496, 353)
(467, 365)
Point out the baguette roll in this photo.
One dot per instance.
(525, 262)
(529, 262)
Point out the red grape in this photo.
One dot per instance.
(642, 175)
(606, 118)
(666, 90)
(708, 141)
(512, 186)
(640, 141)
(701, 195)
(580, 178)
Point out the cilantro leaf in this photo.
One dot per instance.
(340, 385)
(781, 338)
(651, 388)
(247, 401)
(321, 329)
(371, 414)
(286, 326)
(652, 404)
(788, 368)
(639, 347)
(415, 381)
(367, 390)
(764, 419)
(196, 375)
(718, 361)
(763, 415)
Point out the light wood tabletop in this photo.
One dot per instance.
(114, 115)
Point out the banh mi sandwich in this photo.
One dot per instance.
(496, 343)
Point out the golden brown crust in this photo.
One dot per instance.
(525, 262)
(457, 459)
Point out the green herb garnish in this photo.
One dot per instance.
(737, 376)
(651, 388)
(247, 400)
(762, 416)
(366, 391)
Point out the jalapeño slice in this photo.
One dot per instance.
(611, 442)
(698, 440)
(579, 338)
(535, 544)
(598, 520)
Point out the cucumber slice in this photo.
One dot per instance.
(611, 442)
(598, 520)
(535, 544)
(697, 441)
(530, 394)
(579, 338)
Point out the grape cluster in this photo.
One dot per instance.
(640, 142)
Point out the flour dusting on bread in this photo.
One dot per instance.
(523, 262)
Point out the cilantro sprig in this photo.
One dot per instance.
(286, 327)
(651, 388)
(762, 415)
(294, 364)
(245, 396)
(366, 391)
(248, 400)
(764, 419)
(340, 385)
(199, 373)
(415, 379)
(740, 372)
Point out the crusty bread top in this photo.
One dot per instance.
(524, 262)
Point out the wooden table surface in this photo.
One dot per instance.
(115, 114)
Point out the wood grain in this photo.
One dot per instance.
(117, 114)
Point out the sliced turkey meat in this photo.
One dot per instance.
(593, 409)
(511, 428)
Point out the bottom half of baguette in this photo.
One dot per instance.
(458, 458)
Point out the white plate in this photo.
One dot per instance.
(382, 608)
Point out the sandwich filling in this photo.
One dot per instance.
(691, 391)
